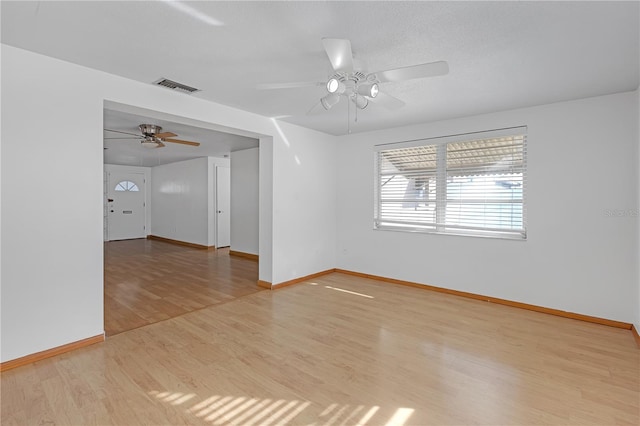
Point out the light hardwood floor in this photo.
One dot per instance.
(147, 281)
(340, 350)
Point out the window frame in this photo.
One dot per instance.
(126, 186)
(442, 177)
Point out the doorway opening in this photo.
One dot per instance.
(223, 206)
(167, 222)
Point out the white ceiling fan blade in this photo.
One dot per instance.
(339, 53)
(316, 109)
(270, 86)
(387, 101)
(430, 69)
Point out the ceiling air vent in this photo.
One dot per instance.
(165, 82)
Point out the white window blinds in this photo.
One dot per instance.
(471, 184)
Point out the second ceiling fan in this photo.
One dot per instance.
(152, 136)
(357, 85)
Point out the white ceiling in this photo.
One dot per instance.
(502, 55)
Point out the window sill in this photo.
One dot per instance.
(494, 236)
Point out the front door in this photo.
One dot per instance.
(126, 206)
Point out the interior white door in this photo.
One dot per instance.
(223, 206)
(126, 206)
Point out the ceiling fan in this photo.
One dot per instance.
(357, 85)
(152, 136)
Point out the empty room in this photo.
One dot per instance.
(320, 213)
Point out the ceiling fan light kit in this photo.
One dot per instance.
(149, 142)
(369, 89)
(149, 129)
(330, 100)
(353, 85)
(360, 101)
(335, 86)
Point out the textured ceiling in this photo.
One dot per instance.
(501, 55)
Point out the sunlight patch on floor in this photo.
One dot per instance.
(246, 411)
(355, 293)
(349, 291)
(175, 398)
(400, 417)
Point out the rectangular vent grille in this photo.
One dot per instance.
(165, 82)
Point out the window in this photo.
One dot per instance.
(466, 185)
(126, 185)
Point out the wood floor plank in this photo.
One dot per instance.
(147, 281)
(338, 350)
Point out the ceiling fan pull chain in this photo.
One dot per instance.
(355, 99)
(348, 117)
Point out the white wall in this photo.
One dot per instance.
(180, 201)
(304, 203)
(582, 161)
(52, 205)
(244, 200)
(265, 200)
(147, 177)
(52, 268)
